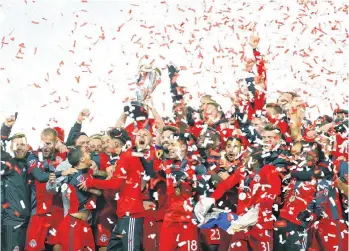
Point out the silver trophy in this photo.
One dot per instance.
(148, 79)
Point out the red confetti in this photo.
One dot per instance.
(5, 205)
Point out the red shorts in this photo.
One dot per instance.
(37, 232)
(106, 220)
(103, 235)
(329, 235)
(225, 240)
(257, 239)
(179, 236)
(75, 234)
(211, 236)
(56, 220)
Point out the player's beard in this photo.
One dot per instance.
(20, 154)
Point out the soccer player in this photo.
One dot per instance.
(47, 209)
(106, 217)
(258, 185)
(185, 182)
(291, 227)
(127, 180)
(74, 232)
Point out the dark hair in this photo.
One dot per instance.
(234, 138)
(324, 120)
(48, 131)
(180, 137)
(214, 136)
(255, 154)
(315, 147)
(275, 107)
(77, 135)
(271, 127)
(170, 128)
(119, 134)
(74, 155)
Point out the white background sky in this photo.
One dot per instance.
(49, 29)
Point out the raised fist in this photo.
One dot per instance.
(83, 115)
(254, 41)
(9, 121)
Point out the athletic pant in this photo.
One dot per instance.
(13, 238)
(291, 237)
(127, 235)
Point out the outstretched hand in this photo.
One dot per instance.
(82, 186)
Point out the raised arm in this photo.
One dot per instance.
(227, 184)
(119, 176)
(120, 123)
(158, 119)
(77, 126)
(7, 126)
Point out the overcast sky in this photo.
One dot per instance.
(46, 46)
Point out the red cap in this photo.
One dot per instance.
(60, 133)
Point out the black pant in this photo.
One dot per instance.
(131, 230)
(13, 237)
(293, 237)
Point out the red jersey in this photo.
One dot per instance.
(180, 208)
(259, 187)
(180, 199)
(77, 199)
(127, 179)
(298, 196)
(43, 201)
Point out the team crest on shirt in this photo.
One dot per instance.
(325, 192)
(80, 178)
(32, 243)
(257, 178)
(103, 238)
(32, 163)
(59, 159)
(16, 248)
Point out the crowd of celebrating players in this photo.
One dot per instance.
(149, 184)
